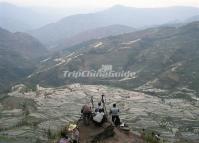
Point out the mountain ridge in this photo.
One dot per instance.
(97, 33)
(18, 54)
(134, 17)
(159, 57)
(16, 18)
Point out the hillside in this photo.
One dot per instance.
(97, 33)
(133, 17)
(18, 53)
(164, 59)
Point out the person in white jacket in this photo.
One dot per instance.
(99, 117)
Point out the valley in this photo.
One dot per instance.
(43, 56)
(52, 108)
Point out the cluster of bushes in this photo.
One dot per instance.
(151, 137)
(54, 136)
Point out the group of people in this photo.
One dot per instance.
(99, 116)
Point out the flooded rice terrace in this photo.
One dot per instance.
(52, 108)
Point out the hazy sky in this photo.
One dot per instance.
(103, 3)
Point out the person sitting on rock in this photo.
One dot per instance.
(64, 138)
(99, 118)
(114, 112)
(75, 135)
(99, 107)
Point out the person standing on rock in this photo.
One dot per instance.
(114, 112)
(86, 109)
(87, 113)
(64, 139)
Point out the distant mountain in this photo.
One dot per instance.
(192, 19)
(17, 18)
(165, 59)
(134, 17)
(18, 54)
(96, 33)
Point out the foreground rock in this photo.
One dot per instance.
(106, 134)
